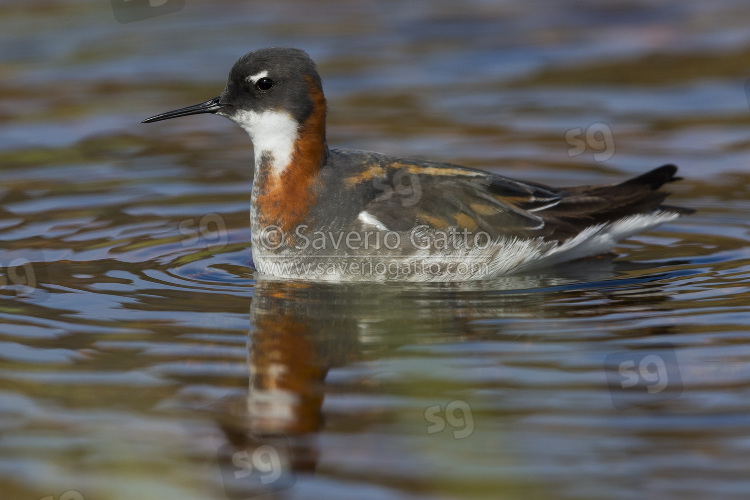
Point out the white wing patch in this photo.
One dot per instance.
(371, 220)
(544, 207)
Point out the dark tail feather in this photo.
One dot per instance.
(677, 210)
(583, 206)
(655, 178)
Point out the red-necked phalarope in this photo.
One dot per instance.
(347, 215)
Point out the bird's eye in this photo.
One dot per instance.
(264, 84)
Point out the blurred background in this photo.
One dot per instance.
(141, 358)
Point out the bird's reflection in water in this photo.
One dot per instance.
(301, 330)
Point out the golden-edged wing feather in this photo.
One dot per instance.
(409, 193)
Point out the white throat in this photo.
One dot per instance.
(274, 133)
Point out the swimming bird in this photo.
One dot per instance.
(347, 215)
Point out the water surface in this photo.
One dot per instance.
(140, 356)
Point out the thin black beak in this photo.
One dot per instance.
(210, 106)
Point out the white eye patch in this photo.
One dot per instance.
(254, 78)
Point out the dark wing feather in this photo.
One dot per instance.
(442, 195)
(405, 193)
